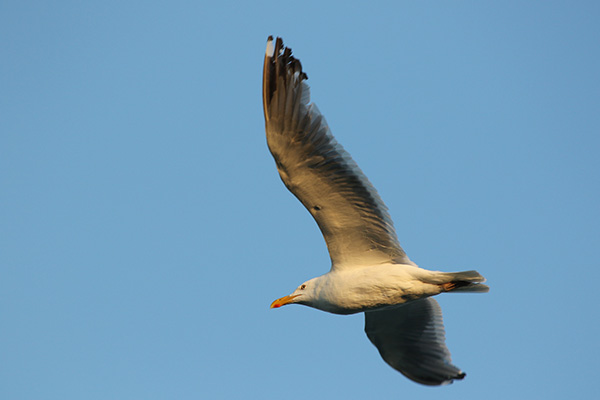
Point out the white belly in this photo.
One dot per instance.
(368, 288)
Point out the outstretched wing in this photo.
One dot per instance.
(319, 172)
(411, 339)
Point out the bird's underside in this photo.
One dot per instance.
(365, 254)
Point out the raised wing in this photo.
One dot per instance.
(411, 339)
(319, 172)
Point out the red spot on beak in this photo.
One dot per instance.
(283, 301)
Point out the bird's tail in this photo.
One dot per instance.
(466, 281)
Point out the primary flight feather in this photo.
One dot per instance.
(369, 272)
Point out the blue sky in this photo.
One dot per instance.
(145, 230)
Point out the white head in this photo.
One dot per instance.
(304, 294)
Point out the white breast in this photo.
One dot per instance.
(361, 289)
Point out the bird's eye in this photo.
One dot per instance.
(302, 287)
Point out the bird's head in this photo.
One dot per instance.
(302, 295)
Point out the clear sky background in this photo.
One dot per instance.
(144, 230)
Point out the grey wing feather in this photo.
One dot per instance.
(319, 172)
(411, 339)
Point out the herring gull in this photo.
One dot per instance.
(369, 272)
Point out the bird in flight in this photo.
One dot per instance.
(369, 272)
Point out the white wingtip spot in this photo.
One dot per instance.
(270, 48)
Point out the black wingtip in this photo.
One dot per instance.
(283, 56)
(279, 62)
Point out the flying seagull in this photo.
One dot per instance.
(369, 272)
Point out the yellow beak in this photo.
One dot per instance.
(283, 301)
